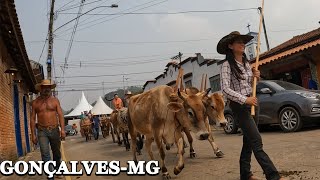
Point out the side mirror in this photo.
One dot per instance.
(265, 91)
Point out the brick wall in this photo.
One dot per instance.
(8, 149)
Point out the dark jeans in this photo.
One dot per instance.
(51, 137)
(96, 133)
(252, 142)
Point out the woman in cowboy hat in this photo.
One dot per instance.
(236, 83)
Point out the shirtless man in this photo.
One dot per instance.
(49, 114)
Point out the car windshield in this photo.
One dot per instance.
(282, 85)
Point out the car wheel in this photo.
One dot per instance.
(231, 126)
(290, 120)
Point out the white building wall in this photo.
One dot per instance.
(190, 66)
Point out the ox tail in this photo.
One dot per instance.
(130, 126)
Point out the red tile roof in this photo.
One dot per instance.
(292, 43)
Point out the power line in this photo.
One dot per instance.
(76, 6)
(119, 64)
(167, 13)
(105, 75)
(105, 17)
(97, 83)
(289, 30)
(131, 42)
(103, 9)
(44, 46)
(125, 58)
(90, 87)
(73, 34)
(95, 89)
(123, 14)
(65, 5)
(137, 42)
(116, 16)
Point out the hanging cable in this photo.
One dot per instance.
(73, 34)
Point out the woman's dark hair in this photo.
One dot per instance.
(235, 70)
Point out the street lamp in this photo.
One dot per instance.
(11, 72)
(112, 6)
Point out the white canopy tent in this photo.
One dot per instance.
(101, 108)
(82, 106)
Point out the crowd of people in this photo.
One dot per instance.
(118, 104)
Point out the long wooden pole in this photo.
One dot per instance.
(254, 88)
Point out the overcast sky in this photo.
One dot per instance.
(105, 46)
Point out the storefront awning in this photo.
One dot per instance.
(289, 52)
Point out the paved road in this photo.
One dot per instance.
(296, 155)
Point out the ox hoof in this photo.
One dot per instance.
(219, 154)
(178, 170)
(192, 154)
(166, 176)
(168, 147)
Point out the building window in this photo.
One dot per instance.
(188, 84)
(215, 83)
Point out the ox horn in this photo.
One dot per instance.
(181, 85)
(205, 83)
(201, 87)
(183, 95)
(204, 93)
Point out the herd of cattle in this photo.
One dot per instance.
(163, 114)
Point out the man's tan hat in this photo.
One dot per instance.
(45, 82)
(128, 93)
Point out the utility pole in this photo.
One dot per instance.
(50, 40)
(179, 56)
(123, 86)
(103, 87)
(265, 31)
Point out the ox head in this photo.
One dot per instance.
(214, 103)
(215, 108)
(196, 110)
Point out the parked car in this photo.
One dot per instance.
(283, 103)
(69, 130)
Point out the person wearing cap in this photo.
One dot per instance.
(126, 98)
(236, 84)
(50, 128)
(117, 102)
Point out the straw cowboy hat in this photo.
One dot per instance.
(128, 93)
(226, 40)
(45, 82)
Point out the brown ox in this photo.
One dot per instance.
(114, 124)
(200, 104)
(105, 126)
(86, 128)
(160, 115)
(119, 121)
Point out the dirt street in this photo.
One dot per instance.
(296, 155)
